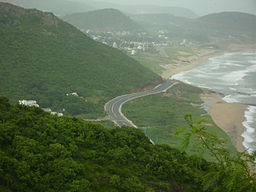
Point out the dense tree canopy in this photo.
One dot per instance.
(42, 152)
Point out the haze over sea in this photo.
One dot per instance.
(233, 75)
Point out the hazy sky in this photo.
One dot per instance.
(199, 6)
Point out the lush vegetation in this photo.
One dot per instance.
(41, 152)
(103, 20)
(160, 115)
(235, 171)
(43, 58)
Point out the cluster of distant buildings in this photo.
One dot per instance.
(137, 42)
(30, 103)
(33, 103)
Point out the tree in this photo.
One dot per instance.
(4, 106)
(230, 172)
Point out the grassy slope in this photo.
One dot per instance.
(103, 20)
(160, 115)
(43, 58)
(156, 64)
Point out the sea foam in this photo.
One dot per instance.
(233, 75)
(249, 134)
(230, 99)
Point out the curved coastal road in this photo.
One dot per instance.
(114, 106)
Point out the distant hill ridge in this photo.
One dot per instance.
(44, 58)
(153, 9)
(160, 19)
(239, 26)
(103, 20)
(232, 20)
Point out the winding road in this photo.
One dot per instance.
(114, 106)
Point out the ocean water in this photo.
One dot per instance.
(233, 75)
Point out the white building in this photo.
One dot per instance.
(31, 103)
(28, 103)
(115, 45)
(48, 110)
(72, 94)
(140, 47)
(183, 42)
(56, 113)
(133, 52)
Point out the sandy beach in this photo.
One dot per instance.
(200, 56)
(187, 63)
(227, 116)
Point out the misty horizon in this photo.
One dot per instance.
(199, 7)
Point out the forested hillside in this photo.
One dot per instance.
(231, 22)
(103, 20)
(45, 153)
(43, 58)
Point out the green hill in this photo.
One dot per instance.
(43, 58)
(177, 27)
(103, 20)
(155, 9)
(231, 21)
(235, 26)
(227, 25)
(158, 21)
(45, 153)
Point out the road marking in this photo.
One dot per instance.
(115, 101)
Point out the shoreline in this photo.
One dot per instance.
(201, 57)
(180, 66)
(227, 116)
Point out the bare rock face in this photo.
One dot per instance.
(5, 11)
(20, 15)
(50, 19)
(18, 11)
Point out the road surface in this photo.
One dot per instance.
(114, 106)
